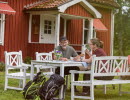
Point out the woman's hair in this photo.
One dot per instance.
(97, 42)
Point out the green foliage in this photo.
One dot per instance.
(122, 29)
(27, 60)
(2, 66)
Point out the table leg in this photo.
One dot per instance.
(62, 87)
(32, 71)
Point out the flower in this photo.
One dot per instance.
(58, 54)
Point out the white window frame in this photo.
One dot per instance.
(41, 28)
(2, 27)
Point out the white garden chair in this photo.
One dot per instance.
(48, 70)
(15, 69)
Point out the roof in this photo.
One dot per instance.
(53, 4)
(99, 26)
(45, 4)
(6, 9)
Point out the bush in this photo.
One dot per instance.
(27, 60)
(2, 66)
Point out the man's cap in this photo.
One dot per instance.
(63, 38)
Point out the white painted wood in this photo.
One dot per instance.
(65, 27)
(68, 16)
(2, 28)
(112, 33)
(103, 66)
(57, 30)
(30, 28)
(13, 61)
(43, 36)
(91, 29)
(85, 4)
(45, 57)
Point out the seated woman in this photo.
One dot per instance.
(97, 49)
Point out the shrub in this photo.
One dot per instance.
(2, 66)
(27, 60)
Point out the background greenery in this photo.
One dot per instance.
(122, 29)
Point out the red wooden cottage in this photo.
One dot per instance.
(36, 25)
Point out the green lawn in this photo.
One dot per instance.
(112, 94)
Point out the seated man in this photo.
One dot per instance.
(67, 52)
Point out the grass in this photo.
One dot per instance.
(112, 94)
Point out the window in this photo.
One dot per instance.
(42, 29)
(2, 23)
(86, 31)
(47, 27)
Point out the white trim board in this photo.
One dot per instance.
(84, 3)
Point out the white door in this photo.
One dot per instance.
(47, 34)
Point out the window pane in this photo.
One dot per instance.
(45, 21)
(49, 31)
(49, 22)
(45, 31)
(45, 27)
(85, 36)
(49, 27)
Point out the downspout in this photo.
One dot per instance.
(113, 12)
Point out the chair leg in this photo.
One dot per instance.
(24, 82)
(38, 69)
(67, 80)
(120, 89)
(92, 92)
(6, 83)
(104, 89)
(72, 91)
(20, 83)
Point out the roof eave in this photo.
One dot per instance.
(41, 9)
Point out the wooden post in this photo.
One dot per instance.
(91, 29)
(57, 30)
(65, 27)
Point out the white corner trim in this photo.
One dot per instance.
(63, 7)
(112, 33)
(30, 28)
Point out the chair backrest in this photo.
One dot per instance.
(13, 58)
(43, 56)
(110, 66)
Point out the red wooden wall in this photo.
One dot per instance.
(105, 36)
(16, 29)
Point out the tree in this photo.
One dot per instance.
(122, 29)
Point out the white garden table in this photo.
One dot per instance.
(61, 64)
